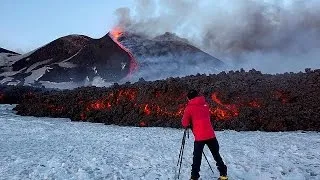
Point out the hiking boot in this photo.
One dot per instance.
(223, 178)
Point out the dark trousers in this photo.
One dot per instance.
(197, 156)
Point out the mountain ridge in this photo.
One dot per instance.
(78, 60)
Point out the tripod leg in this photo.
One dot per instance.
(182, 146)
(181, 152)
(208, 162)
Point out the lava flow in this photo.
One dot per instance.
(265, 105)
(115, 99)
(220, 111)
(115, 34)
(223, 111)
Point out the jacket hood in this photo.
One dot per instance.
(200, 100)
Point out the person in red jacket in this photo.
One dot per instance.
(197, 116)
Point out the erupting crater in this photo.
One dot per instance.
(115, 34)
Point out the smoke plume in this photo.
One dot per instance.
(269, 35)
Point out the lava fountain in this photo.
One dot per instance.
(115, 34)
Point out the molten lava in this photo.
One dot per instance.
(114, 100)
(142, 124)
(99, 105)
(223, 111)
(147, 111)
(115, 34)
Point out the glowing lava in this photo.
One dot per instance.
(223, 111)
(147, 111)
(142, 124)
(129, 96)
(115, 34)
(113, 100)
(99, 105)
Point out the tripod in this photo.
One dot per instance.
(182, 150)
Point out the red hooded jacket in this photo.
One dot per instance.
(197, 115)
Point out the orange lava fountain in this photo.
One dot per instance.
(115, 34)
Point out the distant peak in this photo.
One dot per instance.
(2, 50)
(168, 36)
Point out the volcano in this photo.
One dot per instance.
(68, 62)
(168, 55)
(76, 60)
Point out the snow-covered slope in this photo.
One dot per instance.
(46, 148)
(6, 58)
(68, 60)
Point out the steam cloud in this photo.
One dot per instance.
(269, 35)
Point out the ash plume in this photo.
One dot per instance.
(269, 35)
